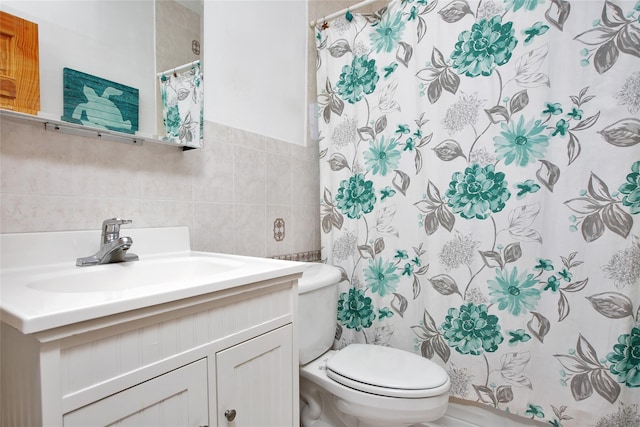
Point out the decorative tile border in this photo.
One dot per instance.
(310, 256)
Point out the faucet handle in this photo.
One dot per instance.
(111, 228)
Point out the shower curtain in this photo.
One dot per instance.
(182, 100)
(480, 191)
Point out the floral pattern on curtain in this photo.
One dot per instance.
(182, 106)
(480, 191)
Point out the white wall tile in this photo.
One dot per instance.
(228, 193)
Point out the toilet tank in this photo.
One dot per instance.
(317, 310)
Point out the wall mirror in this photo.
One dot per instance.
(141, 44)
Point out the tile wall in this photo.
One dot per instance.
(229, 193)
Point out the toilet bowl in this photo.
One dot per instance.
(362, 385)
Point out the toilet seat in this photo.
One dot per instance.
(387, 371)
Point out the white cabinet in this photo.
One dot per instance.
(175, 399)
(183, 363)
(254, 382)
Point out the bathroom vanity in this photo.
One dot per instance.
(179, 338)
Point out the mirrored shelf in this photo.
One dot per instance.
(87, 131)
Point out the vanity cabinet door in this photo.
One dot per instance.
(175, 399)
(255, 381)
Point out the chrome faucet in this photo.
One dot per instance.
(113, 248)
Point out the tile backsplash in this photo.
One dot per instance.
(229, 193)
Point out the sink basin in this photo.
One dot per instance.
(41, 288)
(136, 274)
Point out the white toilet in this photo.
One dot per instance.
(362, 385)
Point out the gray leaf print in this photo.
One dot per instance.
(606, 57)
(573, 148)
(434, 91)
(441, 348)
(445, 217)
(612, 15)
(448, 150)
(617, 220)
(381, 124)
(449, 80)
(530, 62)
(563, 307)
(592, 227)
(596, 36)
(587, 123)
(598, 189)
(504, 394)
(431, 223)
(587, 353)
(444, 284)
(485, 394)
(604, 385)
(339, 48)
(497, 114)
(613, 305)
(183, 94)
(583, 205)
(492, 259)
(533, 80)
(404, 53)
(455, 11)
(539, 326)
(512, 252)
(548, 174)
(519, 101)
(558, 13)
(573, 364)
(421, 30)
(417, 287)
(338, 162)
(623, 133)
(523, 216)
(629, 40)
(399, 304)
(581, 387)
(525, 234)
(401, 181)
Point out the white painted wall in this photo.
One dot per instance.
(110, 39)
(255, 66)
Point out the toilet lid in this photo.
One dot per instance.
(387, 371)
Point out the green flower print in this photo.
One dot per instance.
(477, 192)
(470, 329)
(544, 265)
(534, 411)
(388, 32)
(625, 358)
(384, 312)
(519, 335)
(521, 143)
(358, 79)
(562, 127)
(381, 277)
(553, 284)
(553, 109)
(487, 44)
(382, 156)
(356, 196)
(518, 4)
(355, 310)
(536, 29)
(524, 188)
(514, 293)
(631, 189)
(172, 122)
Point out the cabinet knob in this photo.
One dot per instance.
(230, 414)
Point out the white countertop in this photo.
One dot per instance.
(41, 287)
